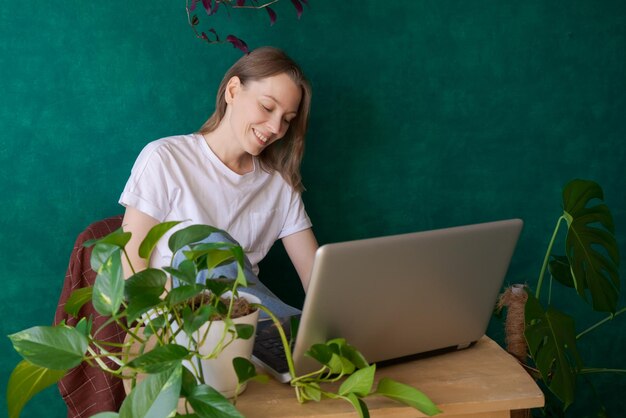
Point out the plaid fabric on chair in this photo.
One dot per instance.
(85, 389)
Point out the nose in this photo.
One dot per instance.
(274, 123)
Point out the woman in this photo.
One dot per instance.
(240, 172)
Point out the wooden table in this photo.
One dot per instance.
(483, 381)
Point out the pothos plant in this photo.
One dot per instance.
(211, 8)
(153, 314)
(589, 267)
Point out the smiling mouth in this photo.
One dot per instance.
(260, 136)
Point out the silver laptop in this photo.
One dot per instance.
(402, 295)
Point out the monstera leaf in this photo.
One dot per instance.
(591, 247)
(551, 338)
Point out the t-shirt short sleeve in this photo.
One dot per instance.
(296, 219)
(147, 188)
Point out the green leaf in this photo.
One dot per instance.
(207, 402)
(159, 358)
(312, 391)
(194, 320)
(326, 354)
(189, 235)
(560, 269)
(26, 381)
(239, 255)
(57, 348)
(219, 286)
(241, 276)
(359, 405)
(407, 395)
(150, 281)
(294, 325)
(106, 415)
(100, 254)
(189, 382)
(211, 254)
(359, 382)
(320, 352)
(551, 338)
(84, 326)
(117, 238)
(108, 289)
(342, 348)
(153, 236)
(183, 293)
(139, 305)
(591, 246)
(154, 397)
(244, 331)
(186, 272)
(245, 371)
(339, 364)
(218, 257)
(77, 299)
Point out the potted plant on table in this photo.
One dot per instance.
(170, 349)
(590, 267)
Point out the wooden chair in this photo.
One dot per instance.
(85, 389)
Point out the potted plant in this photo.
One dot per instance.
(590, 268)
(170, 347)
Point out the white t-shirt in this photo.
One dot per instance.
(179, 178)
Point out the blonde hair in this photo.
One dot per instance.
(285, 155)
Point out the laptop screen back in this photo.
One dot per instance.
(406, 294)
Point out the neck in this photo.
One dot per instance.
(235, 159)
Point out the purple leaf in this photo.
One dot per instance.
(298, 6)
(238, 43)
(272, 14)
(241, 3)
(215, 7)
(203, 35)
(207, 5)
(217, 38)
(193, 5)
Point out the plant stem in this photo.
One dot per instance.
(597, 324)
(261, 6)
(101, 363)
(547, 257)
(107, 354)
(295, 379)
(283, 337)
(128, 331)
(128, 260)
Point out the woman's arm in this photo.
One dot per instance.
(301, 248)
(138, 224)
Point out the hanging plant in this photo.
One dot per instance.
(211, 8)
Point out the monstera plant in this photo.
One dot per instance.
(590, 268)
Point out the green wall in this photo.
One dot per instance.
(426, 114)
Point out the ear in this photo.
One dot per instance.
(232, 88)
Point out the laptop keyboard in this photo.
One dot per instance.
(268, 346)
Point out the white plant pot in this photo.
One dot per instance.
(219, 372)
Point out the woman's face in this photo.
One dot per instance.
(259, 112)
